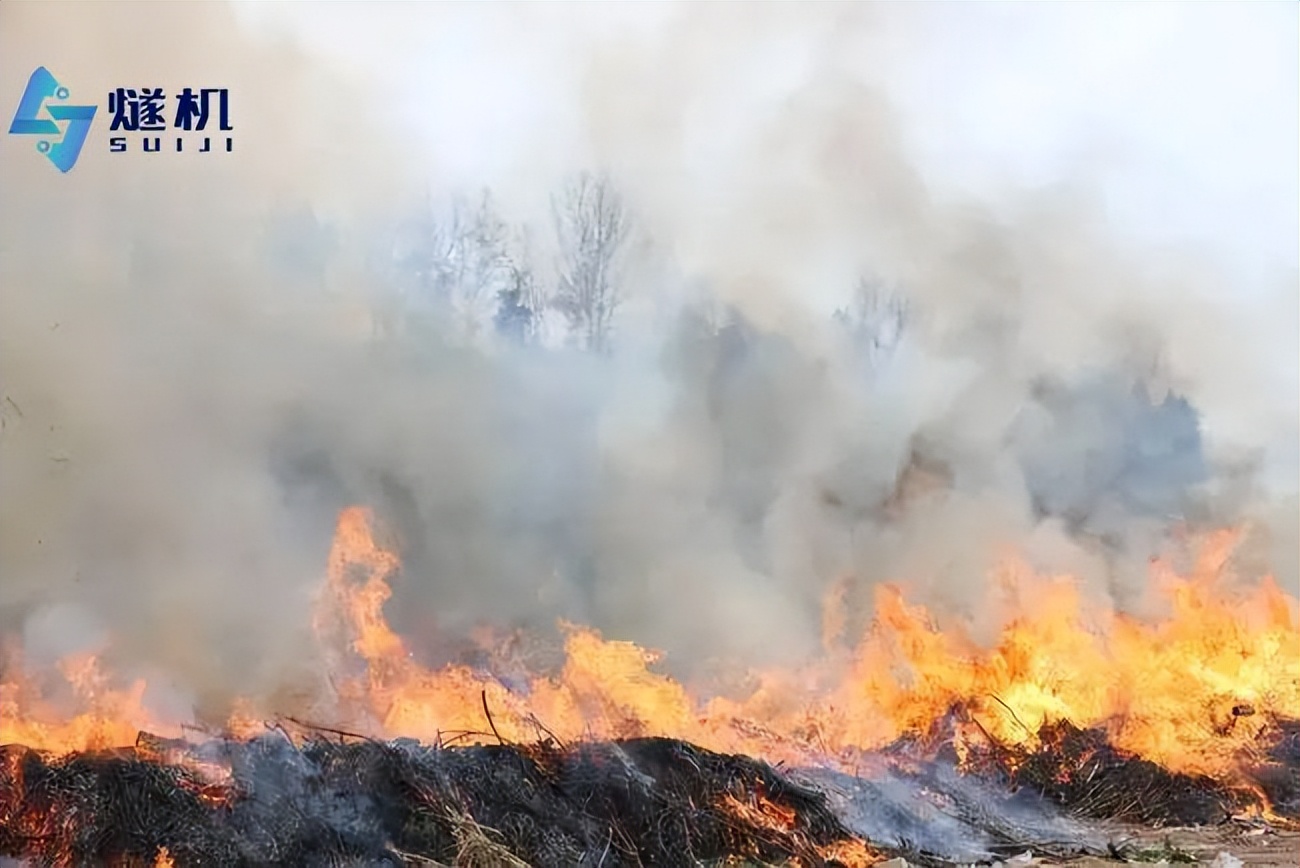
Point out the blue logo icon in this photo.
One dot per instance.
(27, 121)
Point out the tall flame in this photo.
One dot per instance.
(1175, 691)
(1190, 691)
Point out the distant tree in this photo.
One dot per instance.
(514, 317)
(591, 226)
(487, 268)
(519, 303)
(876, 318)
(453, 263)
(418, 251)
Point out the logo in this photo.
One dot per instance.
(143, 110)
(41, 88)
(199, 121)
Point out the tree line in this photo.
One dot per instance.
(455, 267)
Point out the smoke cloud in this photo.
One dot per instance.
(204, 357)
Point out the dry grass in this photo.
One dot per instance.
(475, 847)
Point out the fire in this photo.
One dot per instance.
(1174, 691)
(106, 716)
(1190, 691)
(763, 813)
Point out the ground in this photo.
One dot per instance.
(1255, 846)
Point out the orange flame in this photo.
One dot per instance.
(107, 717)
(1190, 691)
(1166, 690)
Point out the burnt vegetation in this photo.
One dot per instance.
(330, 799)
(1082, 772)
(359, 802)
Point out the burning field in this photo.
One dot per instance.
(904, 742)
(647, 435)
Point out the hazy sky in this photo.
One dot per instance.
(1183, 114)
(1188, 110)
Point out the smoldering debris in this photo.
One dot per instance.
(931, 812)
(638, 802)
(1080, 769)
(1060, 797)
(1276, 768)
(308, 796)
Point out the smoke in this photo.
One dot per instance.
(193, 383)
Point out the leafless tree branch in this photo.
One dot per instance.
(591, 225)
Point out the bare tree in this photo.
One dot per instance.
(591, 225)
(876, 318)
(519, 300)
(487, 257)
(486, 267)
(452, 262)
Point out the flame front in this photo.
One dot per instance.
(1190, 691)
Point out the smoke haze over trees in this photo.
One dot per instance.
(675, 380)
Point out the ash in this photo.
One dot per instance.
(934, 814)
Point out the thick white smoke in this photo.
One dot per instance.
(195, 379)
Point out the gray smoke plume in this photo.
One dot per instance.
(204, 357)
